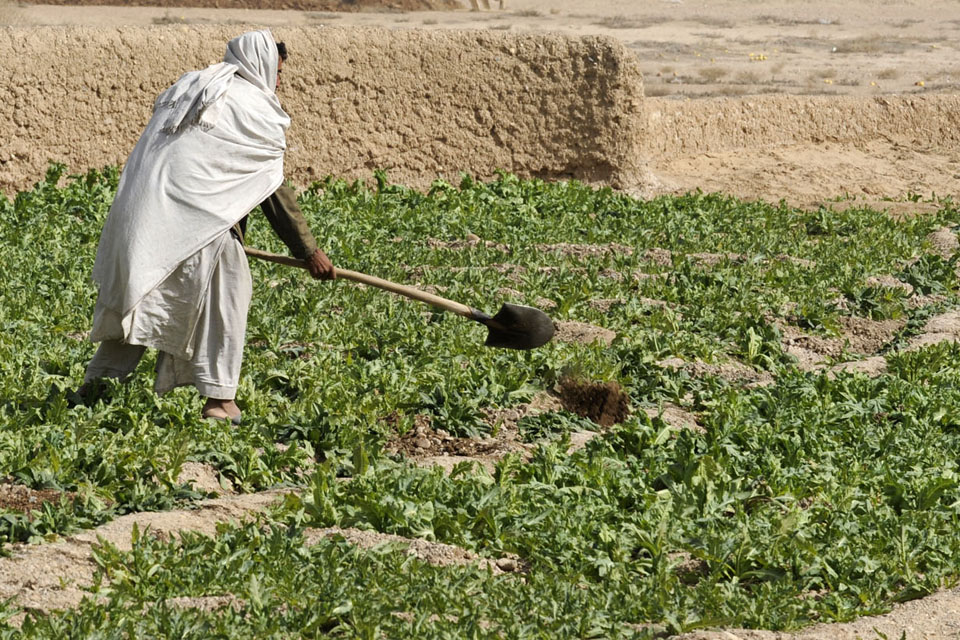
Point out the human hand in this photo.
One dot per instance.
(320, 266)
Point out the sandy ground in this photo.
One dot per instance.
(687, 48)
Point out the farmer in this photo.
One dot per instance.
(171, 268)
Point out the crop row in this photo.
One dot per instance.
(816, 497)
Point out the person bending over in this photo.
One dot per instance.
(170, 265)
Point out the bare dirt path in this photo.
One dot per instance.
(46, 577)
(54, 576)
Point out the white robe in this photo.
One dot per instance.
(215, 338)
(212, 151)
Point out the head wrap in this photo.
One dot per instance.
(256, 58)
(196, 98)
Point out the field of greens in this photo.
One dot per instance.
(815, 497)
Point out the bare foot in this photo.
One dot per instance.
(221, 410)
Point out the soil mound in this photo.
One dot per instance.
(810, 350)
(586, 251)
(606, 403)
(675, 417)
(436, 553)
(205, 478)
(866, 336)
(943, 242)
(582, 332)
(426, 446)
(872, 367)
(17, 497)
(207, 603)
(423, 441)
(52, 576)
(732, 371)
(942, 328)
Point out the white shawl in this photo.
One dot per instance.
(212, 151)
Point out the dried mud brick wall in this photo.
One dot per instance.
(419, 104)
(689, 128)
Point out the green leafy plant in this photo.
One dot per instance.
(809, 498)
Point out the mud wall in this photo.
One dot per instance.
(419, 104)
(675, 128)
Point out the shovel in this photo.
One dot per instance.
(514, 327)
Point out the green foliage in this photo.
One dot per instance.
(817, 498)
(546, 426)
(932, 274)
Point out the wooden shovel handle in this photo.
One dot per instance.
(380, 283)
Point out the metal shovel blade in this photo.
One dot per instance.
(518, 327)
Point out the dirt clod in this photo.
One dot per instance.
(867, 336)
(688, 568)
(16, 497)
(583, 333)
(606, 403)
(943, 242)
(205, 478)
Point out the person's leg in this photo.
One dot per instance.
(214, 368)
(113, 359)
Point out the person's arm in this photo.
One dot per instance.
(284, 215)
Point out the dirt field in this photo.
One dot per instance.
(800, 100)
(687, 48)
